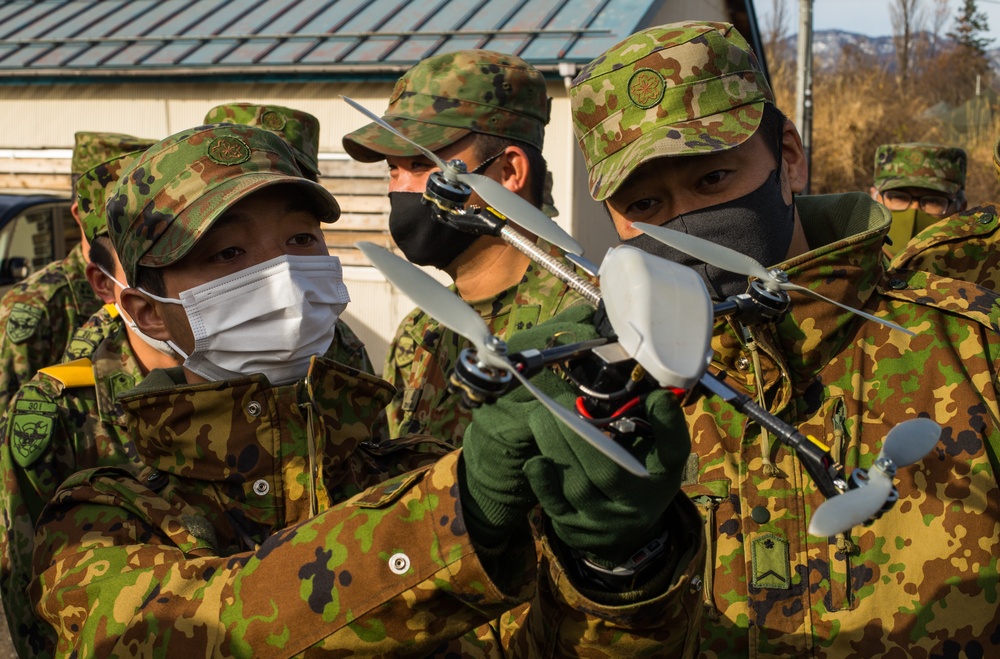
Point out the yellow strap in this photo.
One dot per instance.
(77, 373)
(112, 310)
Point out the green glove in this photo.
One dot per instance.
(495, 494)
(594, 505)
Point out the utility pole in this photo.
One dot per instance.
(804, 83)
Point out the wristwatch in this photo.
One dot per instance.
(623, 577)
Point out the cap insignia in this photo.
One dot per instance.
(645, 88)
(228, 151)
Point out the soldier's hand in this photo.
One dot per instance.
(597, 507)
(495, 493)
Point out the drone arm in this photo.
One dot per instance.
(813, 454)
(530, 362)
(561, 270)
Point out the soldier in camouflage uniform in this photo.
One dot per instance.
(47, 437)
(677, 126)
(489, 110)
(300, 130)
(40, 314)
(921, 184)
(80, 425)
(963, 246)
(266, 522)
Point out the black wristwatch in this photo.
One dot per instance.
(624, 577)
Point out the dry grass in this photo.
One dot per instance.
(858, 105)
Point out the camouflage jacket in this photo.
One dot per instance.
(67, 419)
(963, 246)
(267, 523)
(920, 581)
(423, 352)
(39, 315)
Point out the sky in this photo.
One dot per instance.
(869, 17)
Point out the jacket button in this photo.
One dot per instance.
(743, 364)
(399, 563)
(254, 409)
(898, 284)
(985, 218)
(261, 487)
(760, 514)
(695, 584)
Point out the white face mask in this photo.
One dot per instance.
(271, 318)
(150, 341)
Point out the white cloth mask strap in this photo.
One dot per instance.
(166, 347)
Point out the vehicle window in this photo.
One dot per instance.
(30, 236)
(71, 235)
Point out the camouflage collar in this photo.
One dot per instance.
(160, 379)
(846, 265)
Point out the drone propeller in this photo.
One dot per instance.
(733, 261)
(452, 312)
(496, 195)
(905, 444)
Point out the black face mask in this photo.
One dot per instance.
(423, 239)
(758, 224)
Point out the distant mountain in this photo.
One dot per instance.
(828, 44)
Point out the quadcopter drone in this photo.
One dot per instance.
(645, 344)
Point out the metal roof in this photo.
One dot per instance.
(257, 37)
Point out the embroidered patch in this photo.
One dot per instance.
(769, 553)
(22, 321)
(31, 429)
(228, 151)
(646, 88)
(525, 316)
(411, 396)
(271, 120)
(691, 470)
(84, 343)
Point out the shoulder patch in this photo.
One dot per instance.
(22, 321)
(32, 423)
(84, 342)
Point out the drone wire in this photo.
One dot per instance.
(581, 408)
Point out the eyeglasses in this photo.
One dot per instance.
(932, 204)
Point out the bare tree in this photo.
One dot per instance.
(776, 30)
(907, 18)
(938, 18)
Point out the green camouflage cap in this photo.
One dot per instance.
(673, 90)
(172, 195)
(918, 165)
(299, 129)
(92, 192)
(444, 98)
(91, 149)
